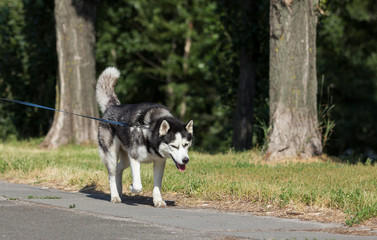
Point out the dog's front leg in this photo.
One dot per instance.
(136, 186)
(158, 173)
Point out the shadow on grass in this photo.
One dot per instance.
(132, 200)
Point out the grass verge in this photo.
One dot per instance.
(231, 176)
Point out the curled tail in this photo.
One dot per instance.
(105, 93)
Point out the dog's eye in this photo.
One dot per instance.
(174, 146)
(185, 145)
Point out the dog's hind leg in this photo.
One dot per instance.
(123, 164)
(110, 158)
(158, 173)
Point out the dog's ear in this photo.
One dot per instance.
(164, 128)
(190, 127)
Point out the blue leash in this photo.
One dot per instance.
(52, 109)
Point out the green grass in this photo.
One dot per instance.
(45, 197)
(230, 176)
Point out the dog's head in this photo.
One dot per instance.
(176, 139)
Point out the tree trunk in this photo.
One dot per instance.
(186, 55)
(75, 21)
(293, 80)
(243, 116)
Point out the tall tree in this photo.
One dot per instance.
(240, 19)
(241, 65)
(293, 80)
(243, 115)
(75, 32)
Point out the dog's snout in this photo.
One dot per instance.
(185, 160)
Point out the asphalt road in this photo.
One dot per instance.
(29, 212)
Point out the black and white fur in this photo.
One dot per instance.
(154, 136)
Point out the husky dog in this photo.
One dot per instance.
(152, 136)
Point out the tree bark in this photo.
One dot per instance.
(293, 80)
(75, 21)
(243, 115)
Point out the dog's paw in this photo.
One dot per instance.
(116, 200)
(136, 190)
(159, 203)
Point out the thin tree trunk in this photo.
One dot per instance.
(293, 80)
(187, 47)
(75, 46)
(186, 55)
(169, 80)
(243, 116)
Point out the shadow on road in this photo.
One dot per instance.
(132, 200)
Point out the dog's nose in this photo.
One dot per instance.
(185, 160)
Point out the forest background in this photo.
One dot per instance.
(146, 41)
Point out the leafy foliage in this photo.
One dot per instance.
(27, 65)
(164, 51)
(347, 57)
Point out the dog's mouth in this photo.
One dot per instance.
(179, 166)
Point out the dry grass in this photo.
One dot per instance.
(243, 178)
